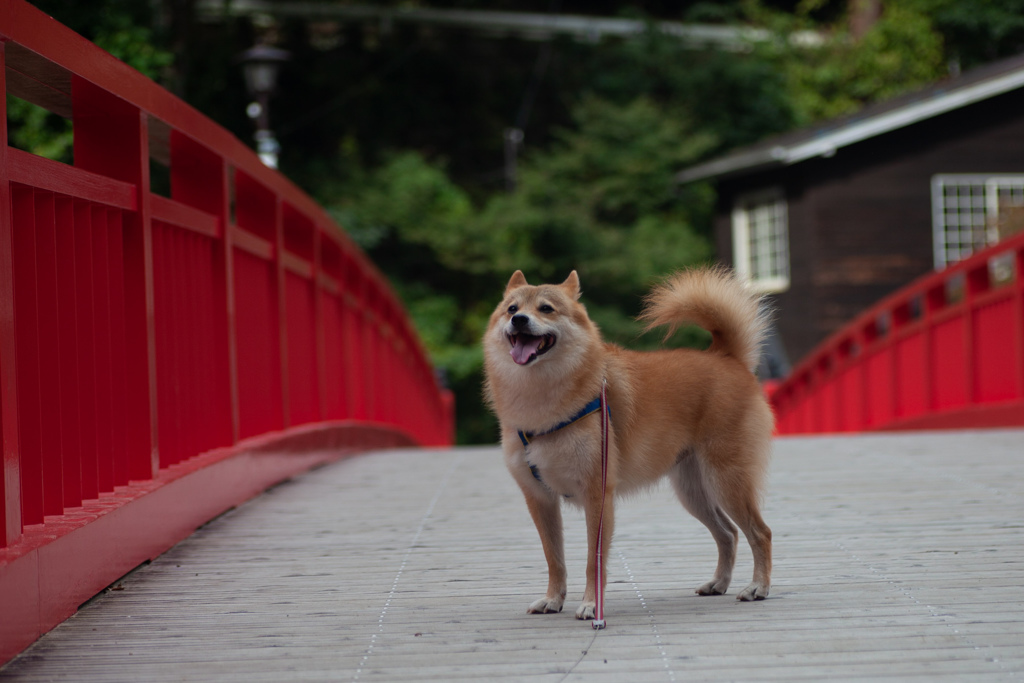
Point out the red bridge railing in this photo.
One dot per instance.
(162, 358)
(945, 352)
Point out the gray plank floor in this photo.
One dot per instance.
(897, 557)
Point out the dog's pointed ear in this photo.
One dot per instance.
(517, 280)
(572, 285)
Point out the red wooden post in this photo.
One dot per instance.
(10, 460)
(301, 277)
(49, 354)
(201, 179)
(225, 274)
(26, 312)
(383, 352)
(67, 328)
(85, 346)
(119, 413)
(364, 347)
(371, 354)
(935, 303)
(111, 138)
(357, 331)
(890, 341)
(332, 334)
(319, 322)
(280, 286)
(166, 373)
(353, 327)
(258, 308)
(927, 326)
(977, 283)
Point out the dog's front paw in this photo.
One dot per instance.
(755, 591)
(545, 605)
(586, 610)
(716, 586)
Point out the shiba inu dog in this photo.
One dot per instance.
(697, 417)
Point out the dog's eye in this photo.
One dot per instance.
(546, 309)
(513, 308)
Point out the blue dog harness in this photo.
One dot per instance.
(591, 407)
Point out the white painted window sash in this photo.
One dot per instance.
(969, 214)
(760, 236)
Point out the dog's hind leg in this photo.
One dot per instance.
(743, 509)
(689, 484)
(735, 471)
(547, 516)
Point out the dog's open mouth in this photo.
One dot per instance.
(526, 347)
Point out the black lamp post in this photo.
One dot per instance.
(260, 65)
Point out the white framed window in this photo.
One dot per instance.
(760, 240)
(966, 211)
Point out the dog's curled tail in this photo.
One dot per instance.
(713, 299)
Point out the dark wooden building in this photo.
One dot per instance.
(829, 219)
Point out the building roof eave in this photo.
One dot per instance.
(818, 143)
(759, 159)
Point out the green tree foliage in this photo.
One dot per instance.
(901, 52)
(977, 31)
(33, 129)
(738, 98)
(590, 200)
(124, 28)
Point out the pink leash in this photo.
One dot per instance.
(598, 554)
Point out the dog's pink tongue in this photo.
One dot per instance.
(523, 350)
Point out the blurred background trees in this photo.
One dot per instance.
(402, 130)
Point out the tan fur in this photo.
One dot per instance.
(698, 417)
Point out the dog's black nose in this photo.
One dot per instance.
(520, 321)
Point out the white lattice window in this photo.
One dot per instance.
(969, 210)
(760, 238)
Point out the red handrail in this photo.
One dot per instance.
(944, 352)
(163, 358)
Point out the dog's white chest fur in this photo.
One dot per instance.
(558, 462)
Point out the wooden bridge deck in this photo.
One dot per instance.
(896, 557)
